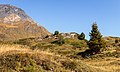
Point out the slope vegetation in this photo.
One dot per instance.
(22, 59)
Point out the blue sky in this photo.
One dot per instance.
(73, 15)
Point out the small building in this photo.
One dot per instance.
(69, 35)
(66, 35)
(73, 35)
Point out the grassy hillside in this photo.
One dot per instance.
(21, 29)
(30, 55)
(23, 59)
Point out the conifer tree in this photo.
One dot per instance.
(56, 32)
(96, 42)
(81, 36)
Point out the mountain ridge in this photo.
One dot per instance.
(16, 24)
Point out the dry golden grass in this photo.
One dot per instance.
(60, 63)
(16, 48)
(108, 64)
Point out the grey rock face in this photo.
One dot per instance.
(6, 10)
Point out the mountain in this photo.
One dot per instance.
(16, 24)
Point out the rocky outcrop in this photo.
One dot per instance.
(16, 24)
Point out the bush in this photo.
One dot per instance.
(42, 46)
(76, 43)
(56, 32)
(69, 65)
(19, 63)
(116, 41)
(22, 42)
(47, 36)
(81, 36)
(26, 41)
(60, 40)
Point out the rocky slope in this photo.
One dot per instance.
(16, 24)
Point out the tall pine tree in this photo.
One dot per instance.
(96, 42)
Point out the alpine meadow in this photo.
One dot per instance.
(27, 46)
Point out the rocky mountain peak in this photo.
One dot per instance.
(12, 12)
(16, 24)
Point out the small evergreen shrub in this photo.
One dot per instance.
(117, 41)
(81, 36)
(56, 32)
